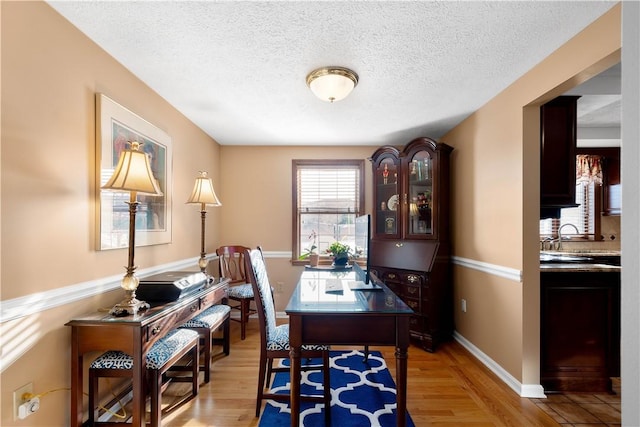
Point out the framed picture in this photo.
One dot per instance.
(115, 128)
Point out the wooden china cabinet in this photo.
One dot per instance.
(410, 247)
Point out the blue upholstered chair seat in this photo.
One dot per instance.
(240, 291)
(163, 350)
(211, 316)
(279, 340)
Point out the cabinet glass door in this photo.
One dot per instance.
(387, 199)
(420, 194)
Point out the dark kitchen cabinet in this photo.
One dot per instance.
(410, 247)
(557, 155)
(580, 330)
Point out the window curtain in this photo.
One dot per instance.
(588, 169)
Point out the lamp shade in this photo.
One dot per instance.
(332, 83)
(133, 173)
(203, 192)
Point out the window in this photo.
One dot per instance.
(328, 195)
(585, 217)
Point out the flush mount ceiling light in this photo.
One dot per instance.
(332, 83)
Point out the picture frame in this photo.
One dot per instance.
(116, 126)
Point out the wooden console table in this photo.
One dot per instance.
(134, 335)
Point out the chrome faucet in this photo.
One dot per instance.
(560, 233)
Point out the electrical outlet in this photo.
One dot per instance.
(29, 407)
(463, 305)
(279, 287)
(18, 399)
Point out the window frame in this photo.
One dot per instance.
(296, 245)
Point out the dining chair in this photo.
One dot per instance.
(231, 266)
(274, 339)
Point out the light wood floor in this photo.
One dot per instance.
(449, 387)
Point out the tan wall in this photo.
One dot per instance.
(496, 199)
(256, 195)
(50, 75)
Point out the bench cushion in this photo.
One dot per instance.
(209, 317)
(163, 350)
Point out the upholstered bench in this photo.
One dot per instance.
(160, 358)
(205, 324)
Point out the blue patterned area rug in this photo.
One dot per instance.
(362, 394)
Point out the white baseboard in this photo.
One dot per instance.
(523, 390)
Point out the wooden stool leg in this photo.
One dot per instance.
(226, 336)
(208, 336)
(196, 368)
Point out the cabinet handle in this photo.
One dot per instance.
(412, 290)
(155, 330)
(399, 245)
(193, 308)
(411, 278)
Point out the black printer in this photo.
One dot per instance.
(171, 285)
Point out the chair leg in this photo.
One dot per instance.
(261, 379)
(326, 387)
(244, 317)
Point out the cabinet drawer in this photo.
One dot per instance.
(411, 291)
(413, 303)
(412, 279)
(213, 297)
(158, 329)
(390, 276)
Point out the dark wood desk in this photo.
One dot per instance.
(353, 318)
(134, 335)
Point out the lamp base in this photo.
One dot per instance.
(128, 306)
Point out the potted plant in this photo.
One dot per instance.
(311, 252)
(340, 253)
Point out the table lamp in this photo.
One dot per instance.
(133, 175)
(204, 194)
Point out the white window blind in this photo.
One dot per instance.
(582, 216)
(327, 199)
(328, 190)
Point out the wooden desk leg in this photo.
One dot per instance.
(76, 382)
(295, 344)
(402, 345)
(401, 396)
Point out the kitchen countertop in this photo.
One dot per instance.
(583, 252)
(578, 267)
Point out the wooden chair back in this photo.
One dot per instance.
(231, 263)
(257, 275)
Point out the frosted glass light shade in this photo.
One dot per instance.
(332, 83)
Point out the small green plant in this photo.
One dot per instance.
(338, 248)
(312, 248)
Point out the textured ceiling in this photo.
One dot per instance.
(237, 69)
